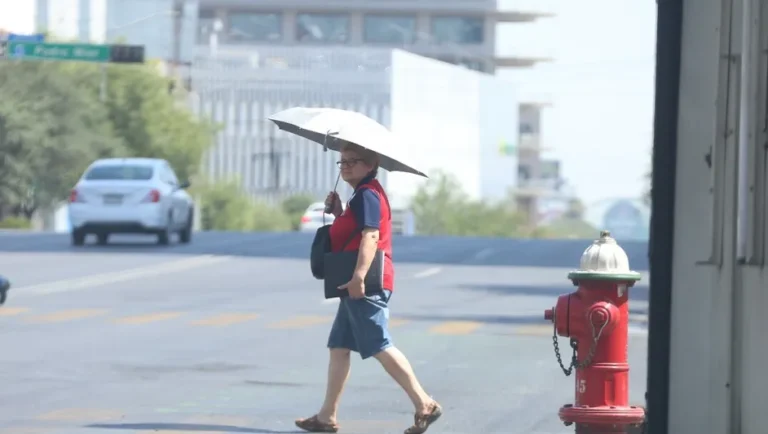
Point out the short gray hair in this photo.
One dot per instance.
(369, 157)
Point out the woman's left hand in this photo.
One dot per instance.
(355, 287)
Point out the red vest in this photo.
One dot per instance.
(345, 224)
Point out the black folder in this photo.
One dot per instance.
(340, 266)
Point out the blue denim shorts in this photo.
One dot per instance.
(362, 325)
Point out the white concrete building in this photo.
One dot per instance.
(452, 118)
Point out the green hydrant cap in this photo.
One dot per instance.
(604, 260)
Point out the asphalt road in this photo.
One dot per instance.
(227, 335)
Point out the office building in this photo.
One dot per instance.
(456, 31)
(238, 55)
(448, 116)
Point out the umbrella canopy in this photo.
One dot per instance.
(333, 127)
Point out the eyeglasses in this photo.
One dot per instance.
(348, 163)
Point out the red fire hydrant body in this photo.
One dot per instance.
(596, 318)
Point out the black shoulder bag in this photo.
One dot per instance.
(337, 268)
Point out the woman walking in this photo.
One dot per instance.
(361, 323)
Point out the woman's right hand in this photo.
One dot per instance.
(333, 203)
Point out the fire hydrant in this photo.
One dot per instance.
(596, 318)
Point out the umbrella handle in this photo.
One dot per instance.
(329, 208)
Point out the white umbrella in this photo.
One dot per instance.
(333, 127)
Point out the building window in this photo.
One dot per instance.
(205, 21)
(390, 29)
(328, 28)
(255, 27)
(458, 30)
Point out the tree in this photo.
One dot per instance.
(149, 120)
(226, 207)
(440, 207)
(295, 206)
(49, 132)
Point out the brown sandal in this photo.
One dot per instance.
(313, 424)
(422, 421)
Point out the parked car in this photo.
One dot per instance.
(312, 219)
(5, 285)
(130, 196)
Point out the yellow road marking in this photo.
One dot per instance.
(148, 318)
(456, 327)
(226, 319)
(67, 315)
(11, 311)
(81, 415)
(395, 322)
(301, 321)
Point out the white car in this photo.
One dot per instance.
(312, 219)
(130, 196)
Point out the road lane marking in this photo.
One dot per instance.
(226, 319)
(87, 282)
(148, 318)
(12, 311)
(301, 321)
(92, 415)
(455, 327)
(331, 300)
(428, 272)
(67, 315)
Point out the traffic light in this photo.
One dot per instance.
(126, 54)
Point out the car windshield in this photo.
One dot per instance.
(125, 172)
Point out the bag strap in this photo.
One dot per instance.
(351, 237)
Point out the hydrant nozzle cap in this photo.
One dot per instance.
(604, 260)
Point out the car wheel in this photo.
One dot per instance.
(78, 238)
(5, 285)
(103, 239)
(164, 237)
(185, 236)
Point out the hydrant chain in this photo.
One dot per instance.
(574, 345)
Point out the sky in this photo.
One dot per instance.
(17, 15)
(600, 84)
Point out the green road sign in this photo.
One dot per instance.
(45, 51)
